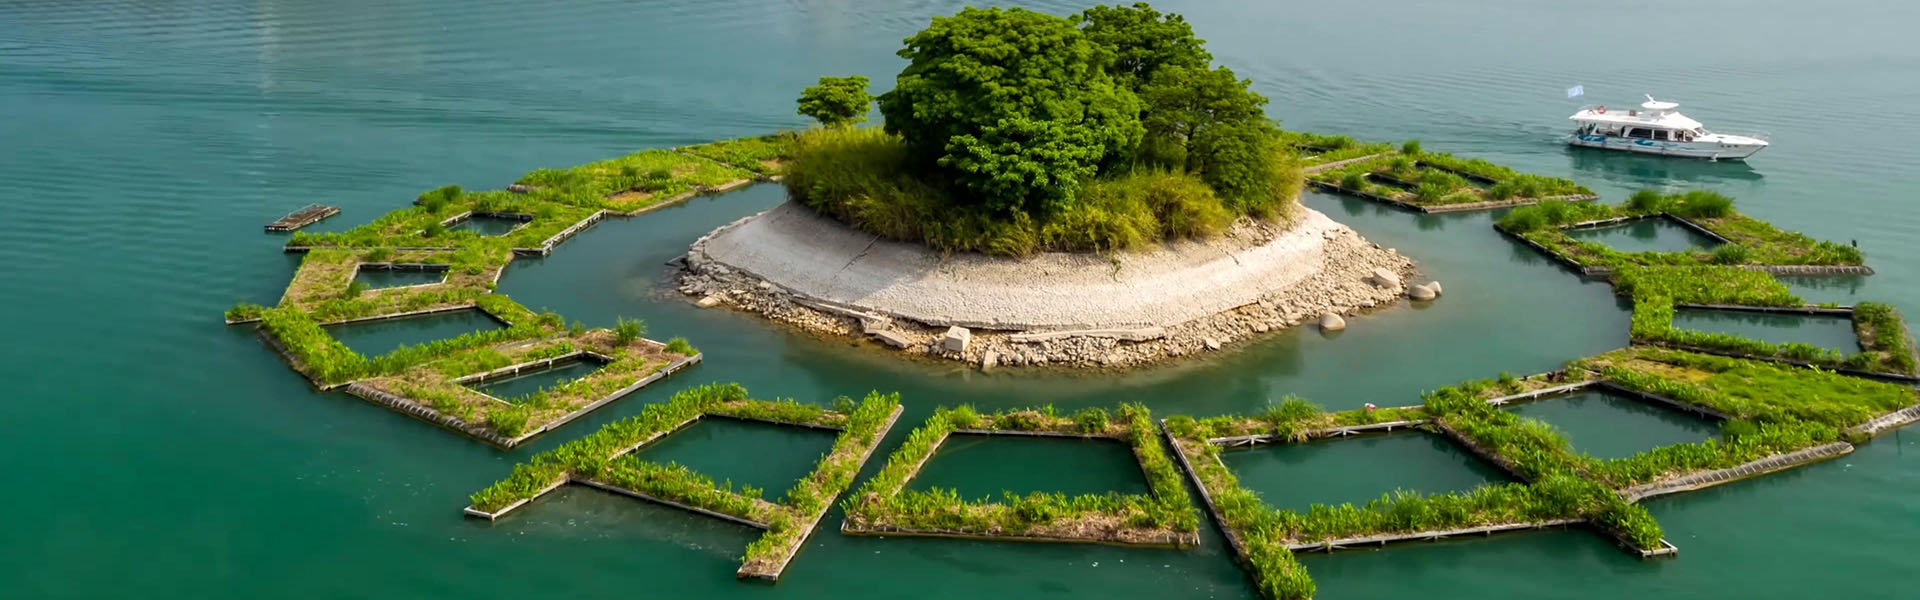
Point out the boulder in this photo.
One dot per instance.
(956, 339)
(1421, 292)
(710, 301)
(1212, 344)
(1384, 278)
(892, 338)
(989, 360)
(1435, 286)
(1332, 322)
(872, 324)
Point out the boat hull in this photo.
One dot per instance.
(1707, 150)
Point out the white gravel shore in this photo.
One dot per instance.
(1052, 308)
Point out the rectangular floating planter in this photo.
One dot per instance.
(860, 432)
(1700, 480)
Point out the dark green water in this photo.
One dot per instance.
(385, 278)
(1608, 425)
(1825, 331)
(487, 226)
(151, 451)
(983, 467)
(512, 390)
(1358, 469)
(1646, 235)
(769, 457)
(374, 338)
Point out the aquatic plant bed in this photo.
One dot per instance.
(599, 460)
(308, 215)
(373, 337)
(436, 222)
(764, 155)
(1609, 424)
(1815, 327)
(1745, 241)
(1165, 517)
(1437, 182)
(1886, 347)
(1300, 476)
(636, 181)
(376, 276)
(1653, 233)
(1264, 538)
(1317, 150)
(324, 285)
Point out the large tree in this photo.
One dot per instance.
(1013, 105)
(1183, 103)
(837, 101)
(1144, 40)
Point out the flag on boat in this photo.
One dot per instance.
(1576, 91)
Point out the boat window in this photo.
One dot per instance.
(1660, 134)
(1638, 132)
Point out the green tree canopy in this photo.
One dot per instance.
(837, 100)
(1144, 41)
(1015, 106)
(1183, 103)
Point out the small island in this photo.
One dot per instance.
(1081, 191)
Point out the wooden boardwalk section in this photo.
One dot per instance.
(1424, 536)
(1255, 440)
(312, 213)
(1890, 421)
(1706, 479)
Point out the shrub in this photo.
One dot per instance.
(680, 345)
(1356, 181)
(1647, 200)
(626, 330)
(509, 422)
(354, 289)
(1091, 420)
(436, 199)
(1410, 148)
(1703, 204)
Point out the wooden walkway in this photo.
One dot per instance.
(1706, 479)
(1422, 536)
(312, 213)
(1890, 421)
(1255, 440)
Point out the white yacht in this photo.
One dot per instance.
(1656, 128)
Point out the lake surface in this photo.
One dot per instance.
(1646, 235)
(1609, 425)
(1356, 470)
(146, 143)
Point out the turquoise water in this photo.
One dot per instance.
(1359, 469)
(984, 467)
(766, 456)
(512, 390)
(1825, 331)
(374, 338)
(385, 278)
(1608, 425)
(1646, 235)
(149, 141)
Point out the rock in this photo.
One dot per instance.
(710, 301)
(871, 325)
(766, 285)
(1435, 286)
(1384, 278)
(1212, 344)
(1332, 322)
(956, 339)
(1262, 328)
(989, 360)
(892, 338)
(521, 188)
(1421, 292)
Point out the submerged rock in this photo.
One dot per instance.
(1212, 344)
(710, 301)
(892, 338)
(1435, 286)
(1422, 292)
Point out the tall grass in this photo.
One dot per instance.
(863, 177)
